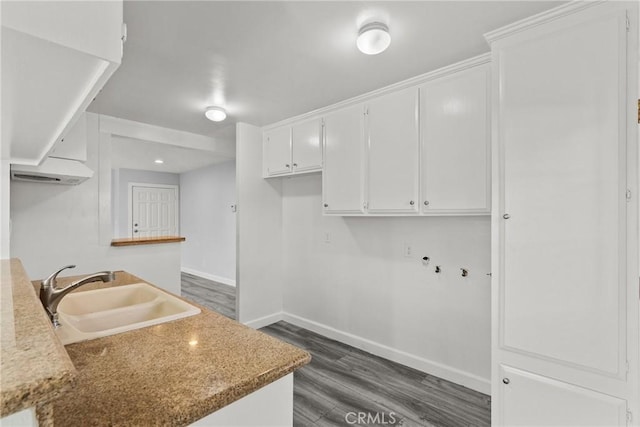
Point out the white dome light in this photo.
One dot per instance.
(373, 38)
(215, 114)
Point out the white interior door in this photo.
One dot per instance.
(154, 211)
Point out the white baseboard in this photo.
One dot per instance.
(264, 321)
(213, 277)
(446, 372)
(449, 373)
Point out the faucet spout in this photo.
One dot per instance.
(51, 295)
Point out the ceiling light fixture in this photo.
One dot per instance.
(215, 114)
(373, 38)
(158, 161)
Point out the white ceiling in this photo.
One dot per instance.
(267, 61)
(129, 153)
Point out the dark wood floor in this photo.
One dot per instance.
(342, 382)
(216, 296)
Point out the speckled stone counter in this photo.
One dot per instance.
(170, 374)
(34, 366)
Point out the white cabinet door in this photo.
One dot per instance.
(393, 153)
(277, 151)
(343, 173)
(307, 147)
(455, 143)
(534, 400)
(565, 195)
(565, 236)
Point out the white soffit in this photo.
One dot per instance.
(128, 153)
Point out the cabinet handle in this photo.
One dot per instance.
(326, 205)
(412, 203)
(426, 203)
(506, 216)
(506, 380)
(295, 165)
(287, 166)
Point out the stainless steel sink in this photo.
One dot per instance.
(103, 312)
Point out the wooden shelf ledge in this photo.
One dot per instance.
(131, 241)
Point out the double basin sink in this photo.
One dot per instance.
(98, 313)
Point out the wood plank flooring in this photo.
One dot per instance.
(343, 383)
(216, 296)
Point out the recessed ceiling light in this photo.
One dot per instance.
(373, 38)
(158, 161)
(215, 114)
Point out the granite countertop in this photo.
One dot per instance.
(34, 366)
(169, 374)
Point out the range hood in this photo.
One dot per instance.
(53, 171)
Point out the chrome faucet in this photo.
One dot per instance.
(50, 295)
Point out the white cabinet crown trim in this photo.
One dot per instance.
(413, 81)
(541, 18)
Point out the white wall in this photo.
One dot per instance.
(361, 289)
(4, 182)
(4, 209)
(5, 225)
(120, 197)
(208, 223)
(55, 225)
(259, 239)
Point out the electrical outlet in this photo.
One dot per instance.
(408, 250)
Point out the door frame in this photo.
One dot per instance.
(175, 188)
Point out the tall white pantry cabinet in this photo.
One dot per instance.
(565, 218)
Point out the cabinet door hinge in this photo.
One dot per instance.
(629, 417)
(365, 205)
(628, 194)
(627, 22)
(366, 111)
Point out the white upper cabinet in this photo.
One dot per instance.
(306, 146)
(344, 151)
(455, 172)
(56, 56)
(422, 149)
(289, 150)
(392, 124)
(277, 151)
